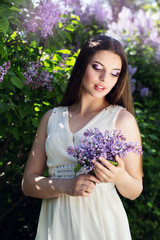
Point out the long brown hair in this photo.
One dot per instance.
(120, 93)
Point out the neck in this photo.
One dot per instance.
(87, 106)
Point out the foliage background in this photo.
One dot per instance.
(34, 82)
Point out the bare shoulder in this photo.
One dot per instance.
(45, 117)
(125, 117)
(127, 123)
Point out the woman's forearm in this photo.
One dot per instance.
(130, 187)
(41, 187)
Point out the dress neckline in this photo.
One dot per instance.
(92, 119)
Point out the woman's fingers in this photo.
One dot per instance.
(84, 184)
(107, 164)
(103, 174)
(119, 161)
(106, 171)
(87, 179)
(91, 178)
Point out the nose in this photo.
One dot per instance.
(103, 76)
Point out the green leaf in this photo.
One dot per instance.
(15, 132)
(153, 137)
(60, 25)
(114, 163)
(64, 51)
(19, 75)
(70, 28)
(16, 22)
(56, 58)
(68, 36)
(70, 62)
(25, 111)
(5, 13)
(75, 22)
(4, 25)
(77, 168)
(17, 82)
(46, 103)
(75, 17)
(33, 44)
(9, 116)
(21, 3)
(3, 51)
(35, 122)
(15, 9)
(59, 98)
(138, 104)
(3, 107)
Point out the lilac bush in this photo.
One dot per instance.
(36, 77)
(95, 144)
(97, 11)
(3, 70)
(139, 34)
(45, 16)
(136, 28)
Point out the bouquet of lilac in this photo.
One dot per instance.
(95, 144)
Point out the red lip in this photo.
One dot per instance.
(99, 88)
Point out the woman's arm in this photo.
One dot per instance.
(127, 176)
(34, 184)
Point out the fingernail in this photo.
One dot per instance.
(99, 181)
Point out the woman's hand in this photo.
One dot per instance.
(81, 185)
(109, 172)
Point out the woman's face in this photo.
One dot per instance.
(101, 74)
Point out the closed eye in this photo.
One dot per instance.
(97, 67)
(115, 74)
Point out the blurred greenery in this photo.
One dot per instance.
(21, 109)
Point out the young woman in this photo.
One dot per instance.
(97, 95)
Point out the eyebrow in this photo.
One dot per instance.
(104, 66)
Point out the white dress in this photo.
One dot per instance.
(101, 216)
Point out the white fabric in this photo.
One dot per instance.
(101, 216)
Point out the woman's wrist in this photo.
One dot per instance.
(129, 186)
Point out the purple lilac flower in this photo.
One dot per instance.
(3, 70)
(36, 77)
(133, 85)
(99, 11)
(96, 10)
(144, 92)
(132, 26)
(95, 144)
(131, 72)
(46, 15)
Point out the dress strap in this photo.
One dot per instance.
(114, 111)
(54, 116)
